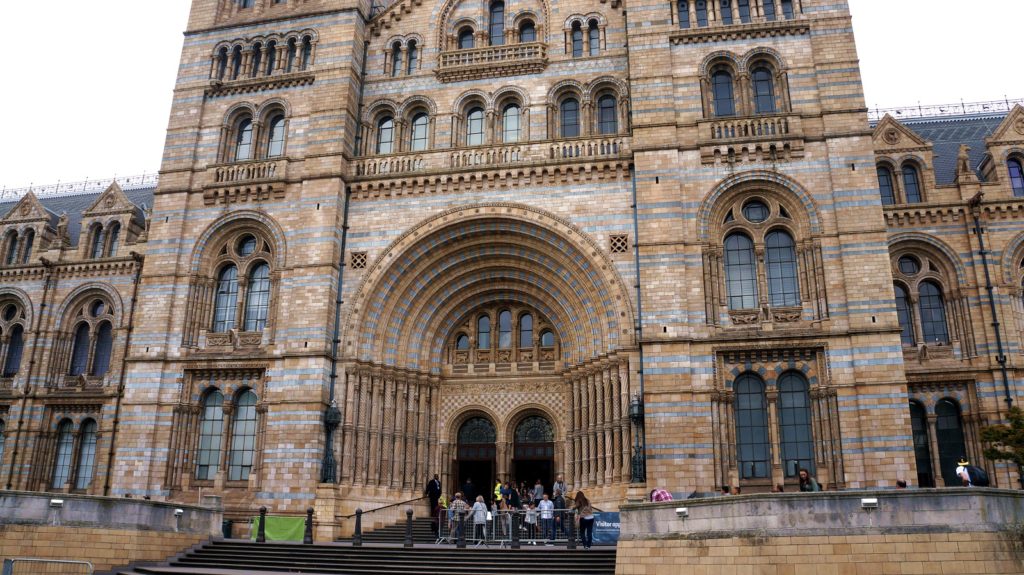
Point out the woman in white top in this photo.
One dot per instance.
(479, 512)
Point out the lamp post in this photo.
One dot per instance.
(332, 418)
(639, 463)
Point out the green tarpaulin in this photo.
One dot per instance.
(280, 528)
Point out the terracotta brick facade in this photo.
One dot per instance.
(546, 174)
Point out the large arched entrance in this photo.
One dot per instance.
(534, 452)
(476, 454)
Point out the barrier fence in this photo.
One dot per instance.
(508, 527)
(29, 566)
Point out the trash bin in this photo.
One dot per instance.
(225, 528)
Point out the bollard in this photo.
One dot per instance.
(261, 532)
(307, 537)
(408, 527)
(461, 541)
(357, 537)
(515, 530)
(571, 531)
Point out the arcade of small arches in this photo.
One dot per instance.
(17, 247)
(756, 83)
(264, 56)
(703, 13)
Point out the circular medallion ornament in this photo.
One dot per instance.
(109, 201)
(1018, 126)
(25, 209)
(891, 136)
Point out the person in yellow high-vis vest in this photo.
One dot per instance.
(497, 493)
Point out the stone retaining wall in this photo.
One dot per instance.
(963, 531)
(105, 531)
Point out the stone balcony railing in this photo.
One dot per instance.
(592, 147)
(248, 181)
(249, 171)
(751, 138)
(492, 61)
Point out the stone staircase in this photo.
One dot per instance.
(421, 533)
(237, 557)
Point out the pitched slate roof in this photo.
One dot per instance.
(75, 205)
(947, 133)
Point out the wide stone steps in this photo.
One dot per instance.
(421, 533)
(234, 557)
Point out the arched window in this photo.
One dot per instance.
(607, 116)
(527, 31)
(744, 9)
(385, 135)
(271, 57)
(725, 11)
(475, 127)
(466, 38)
(65, 449)
(1016, 176)
(885, 185)
(243, 437)
(702, 13)
(236, 63)
(764, 91)
(510, 124)
(12, 249)
(933, 313)
(420, 132)
(412, 58)
(257, 304)
(102, 350)
(222, 64)
(526, 331)
(787, 9)
(577, 40)
(795, 424)
(497, 23)
(903, 315)
(683, 6)
(769, 10)
(15, 349)
(275, 141)
(753, 452)
(505, 329)
(211, 432)
(86, 454)
(911, 184)
(570, 117)
(292, 52)
(307, 52)
(113, 237)
(594, 37)
(247, 245)
(462, 342)
(80, 350)
(780, 261)
(243, 140)
(740, 272)
(96, 247)
(483, 332)
(257, 59)
(922, 447)
(227, 299)
(721, 88)
(547, 338)
(26, 250)
(396, 59)
(949, 434)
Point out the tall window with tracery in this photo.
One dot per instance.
(86, 454)
(240, 299)
(12, 330)
(243, 437)
(64, 454)
(211, 430)
(93, 339)
(753, 450)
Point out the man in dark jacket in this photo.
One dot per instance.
(560, 516)
(433, 491)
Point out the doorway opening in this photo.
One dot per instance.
(534, 453)
(475, 458)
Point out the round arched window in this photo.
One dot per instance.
(10, 312)
(247, 245)
(97, 308)
(756, 211)
(909, 265)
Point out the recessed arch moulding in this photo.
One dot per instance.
(423, 288)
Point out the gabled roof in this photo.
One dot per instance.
(947, 133)
(75, 206)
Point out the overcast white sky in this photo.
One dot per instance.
(92, 99)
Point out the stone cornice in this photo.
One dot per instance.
(234, 87)
(740, 32)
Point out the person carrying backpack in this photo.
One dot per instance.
(971, 475)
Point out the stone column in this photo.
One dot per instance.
(933, 443)
(401, 407)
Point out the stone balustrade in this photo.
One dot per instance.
(492, 61)
(248, 171)
(749, 128)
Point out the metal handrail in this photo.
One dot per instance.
(10, 565)
(368, 511)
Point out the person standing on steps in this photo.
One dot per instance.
(479, 518)
(559, 486)
(586, 514)
(547, 524)
(458, 510)
(560, 517)
(538, 490)
(433, 491)
(469, 490)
